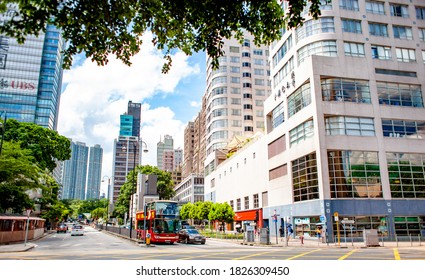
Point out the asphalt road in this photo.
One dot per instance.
(98, 245)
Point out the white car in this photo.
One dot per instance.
(77, 230)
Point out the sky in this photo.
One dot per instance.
(94, 97)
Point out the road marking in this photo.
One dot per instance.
(253, 255)
(347, 255)
(396, 254)
(303, 254)
(202, 256)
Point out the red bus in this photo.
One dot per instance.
(161, 221)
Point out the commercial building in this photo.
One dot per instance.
(31, 75)
(75, 172)
(166, 144)
(346, 120)
(94, 172)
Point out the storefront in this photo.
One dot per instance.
(248, 218)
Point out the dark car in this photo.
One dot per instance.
(191, 235)
(62, 228)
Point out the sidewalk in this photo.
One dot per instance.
(21, 246)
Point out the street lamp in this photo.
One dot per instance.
(109, 195)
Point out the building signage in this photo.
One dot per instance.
(7, 84)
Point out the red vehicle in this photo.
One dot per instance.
(161, 221)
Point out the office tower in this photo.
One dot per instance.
(346, 120)
(168, 160)
(135, 110)
(31, 75)
(235, 95)
(167, 144)
(94, 172)
(127, 147)
(189, 135)
(75, 172)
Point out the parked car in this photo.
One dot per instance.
(191, 235)
(77, 230)
(62, 228)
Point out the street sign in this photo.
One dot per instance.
(323, 218)
(347, 222)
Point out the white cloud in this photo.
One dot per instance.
(195, 104)
(95, 96)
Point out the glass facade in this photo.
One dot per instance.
(31, 76)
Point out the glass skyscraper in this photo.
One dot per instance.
(75, 172)
(31, 75)
(94, 172)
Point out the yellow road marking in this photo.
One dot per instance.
(346, 255)
(396, 254)
(303, 254)
(253, 255)
(198, 257)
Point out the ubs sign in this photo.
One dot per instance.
(15, 84)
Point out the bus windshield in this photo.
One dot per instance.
(165, 225)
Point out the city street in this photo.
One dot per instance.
(99, 245)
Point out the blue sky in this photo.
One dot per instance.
(93, 98)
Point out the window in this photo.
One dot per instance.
(238, 204)
(381, 52)
(398, 10)
(247, 95)
(249, 128)
(259, 72)
(248, 117)
(277, 115)
(232, 204)
(246, 54)
(246, 200)
(354, 49)
(301, 132)
(257, 52)
(352, 26)
(236, 112)
(247, 106)
(405, 55)
(407, 175)
(422, 34)
(236, 101)
(234, 69)
(312, 27)
(258, 61)
(259, 82)
(246, 43)
(299, 99)
(259, 102)
(402, 32)
(323, 48)
(236, 123)
(346, 90)
(234, 49)
(235, 90)
(246, 74)
(420, 12)
(219, 90)
(403, 129)
(354, 174)
(235, 59)
(246, 85)
(278, 172)
(235, 80)
(256, 201)
(378, 29)
(282, 51)
(375, 7)
(304, 178)
(219, 80)
(345, 125)
(351, 5)
(246, 64)
(283, 72)
(399, 94)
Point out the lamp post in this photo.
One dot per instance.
(109, 195)
(3, 130)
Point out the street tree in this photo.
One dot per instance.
(186, 211)
(164, 181)
(18, 175)
(46, 145)
(222, 213)
(101, 28)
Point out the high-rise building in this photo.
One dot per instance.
(167, 144)
(31, 75)
(126, 148)
(178, 158)
(346, 119)
(168, 160)
(75, 172)
(94, 172)
(235, 95)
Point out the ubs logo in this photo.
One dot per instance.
(4, 84)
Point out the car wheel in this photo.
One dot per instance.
(203, 242)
